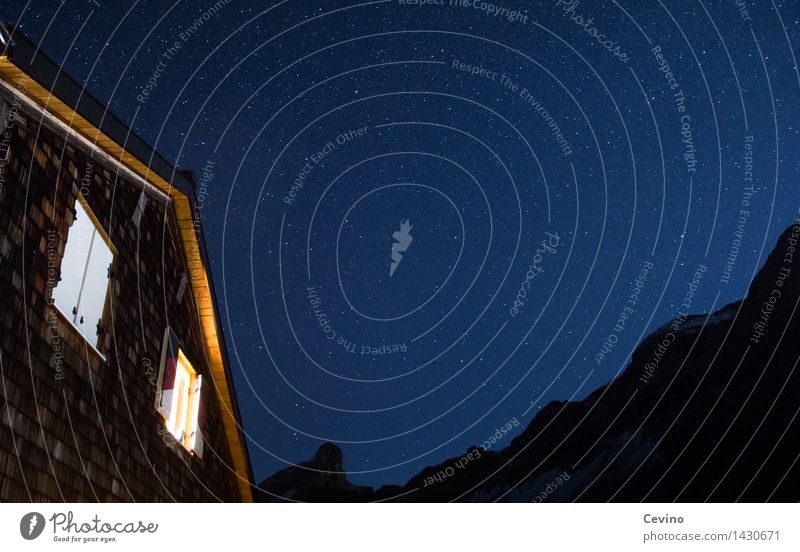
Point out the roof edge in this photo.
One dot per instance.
(31, 60)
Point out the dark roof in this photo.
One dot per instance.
(27, 56)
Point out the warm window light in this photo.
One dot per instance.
(179, 397)
(186, 391)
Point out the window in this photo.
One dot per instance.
(85, 268)
(178, 398)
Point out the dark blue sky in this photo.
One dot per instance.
(485, 133)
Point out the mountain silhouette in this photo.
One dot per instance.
(706, 410)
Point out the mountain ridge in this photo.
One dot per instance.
(714, 419)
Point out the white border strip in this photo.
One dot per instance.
(75, 137)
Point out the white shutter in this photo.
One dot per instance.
(73, 264)
(198, 419)
(81, 293)
(94, 288)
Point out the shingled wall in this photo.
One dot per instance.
(78, 424)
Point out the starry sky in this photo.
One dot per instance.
(563, 170)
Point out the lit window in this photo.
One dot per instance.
(178, 398)
(82, 290)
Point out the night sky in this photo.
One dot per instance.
(592, 164)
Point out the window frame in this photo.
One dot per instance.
(68, 317)
(187, 404)
(187, 432)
